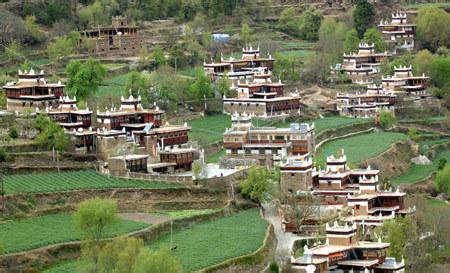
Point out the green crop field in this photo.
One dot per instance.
(418, 173)
(209, 129)
(76, 180)
(300, 53)
(325, 123)
(220, 239)
(297, 45)
(113, 86)
(359, 147)
(26, 234)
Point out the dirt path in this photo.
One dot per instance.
(148, 218)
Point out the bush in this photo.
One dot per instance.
(386, 119)
(274, 268)
(13, 133)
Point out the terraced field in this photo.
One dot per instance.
(418, 173)
(76, 180)
(222, 239)
(26, 234)
(359, 147)
(209, 129)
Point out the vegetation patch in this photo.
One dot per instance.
(187, 212)
(418, 173)
(76, 180)
(359, 147)
(26, 234)
(209, 129)
(326, 123)
(221, 239)
(215, 158)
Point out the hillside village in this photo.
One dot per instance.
(224, 136)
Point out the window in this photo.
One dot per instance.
(292, 174)
(357, 206)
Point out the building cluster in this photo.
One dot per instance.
(361, 66)
(121, 37)
(244, 68)
(130, 134)
(403, 82)
(399, 33)
(266, 145)
(365, 105)
(338, 185)
(32, 92)
(355, 192)
(261, 97)
(344, 252)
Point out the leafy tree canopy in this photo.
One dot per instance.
(363, 16)
(83, 79)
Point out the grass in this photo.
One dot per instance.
(418, 173)
(297, 53)
(208, 243)
(114, 66)
(189, 71)
(215, 158)
(359, 147)
(74, 180)
(21, 235)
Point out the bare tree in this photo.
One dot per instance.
(299, 210)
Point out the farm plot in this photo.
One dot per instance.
(21, 235)
(209, 243)
(230, 237)
(359, 147)
(209, 129)
(112, 87)
(76, 180)
(418, 173)
(331, 122)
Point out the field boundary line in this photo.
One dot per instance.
(344, 136)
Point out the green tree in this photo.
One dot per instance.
(432, 28)
(287, 22)
(144, 56)
(246, 34)
(351, 42)
(93, 216)
(201, 88)
(442, 180)
(440, 73)
(158, 57)
(120, 255)
(374, 36)
(83, 79)
(13, 133)
(159, 261)
(309, 24)
(258, 185)
(331, 41)
(386, 119)
(388, 67)
(50, 134)
(399, 233)
(60, 49)
(222, 86)
(422, 62)
(363, 16)
(35, 34)
(168, 88)
(287, 67)
(177, 58)
(14, 51)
